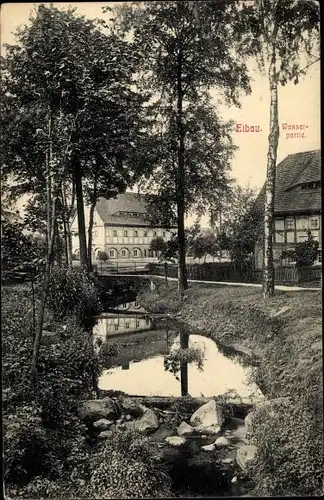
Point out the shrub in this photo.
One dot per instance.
(72, 292)
(305, 253)
(102, 256)
(126, 466)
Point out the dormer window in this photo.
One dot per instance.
(311, 185)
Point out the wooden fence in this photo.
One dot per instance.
(227, 272)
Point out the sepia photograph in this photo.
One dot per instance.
(161, 250)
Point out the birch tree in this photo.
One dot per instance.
(285, 39)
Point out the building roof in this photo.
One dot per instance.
(126, 209)
(295, 170)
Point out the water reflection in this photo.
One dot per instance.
(149, 377)
(111, 324)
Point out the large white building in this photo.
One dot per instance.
(121, 229)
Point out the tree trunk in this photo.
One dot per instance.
(268, 267)
(92, 207)
(49, 257)
(180, 185)
(80, 209)
(184, 343)
(66, 229)
(91, 214)
(49, 183)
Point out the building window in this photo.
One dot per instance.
(311, 185)
(319, 256)
(116, 327)
(135, 234)
(115, 233)
(125, 305)
(279, 237)
(145, 234)
(124, 253)
(154, 233)
(137, 323)
(125, 233)
(290, 236)
(301, 236)
(163, 233)
(301, 223)
(313, 223)
(136, 252)
(126, 325)
(112, 253)
(150, 253)
(290, 224)
(145, 253)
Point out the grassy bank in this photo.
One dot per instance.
(283, 336)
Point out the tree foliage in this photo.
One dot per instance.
(239, 224)
(19, 249)
(186, 51)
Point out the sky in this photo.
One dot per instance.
(298, 104)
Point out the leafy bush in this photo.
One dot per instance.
(305, 253)
(102, 256)
(127, 466)
(72, 292)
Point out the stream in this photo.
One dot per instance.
(139, 367)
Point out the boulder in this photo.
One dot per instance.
(245, 455)
(248, 421)
(132, 407)
(148, 423)
(221, 441)
(102, 425)
(96, 409)
(184, 429)
(208, 447)
(240, 432)
(104, 435)
(210, 430)
(175, 441)
(205, 416)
